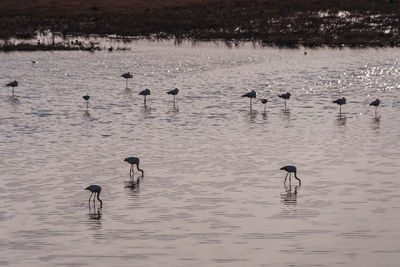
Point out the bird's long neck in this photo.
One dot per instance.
(140, 169)
(295, 175)
(98, 197)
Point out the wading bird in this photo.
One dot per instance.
(289, 170)
(264, 101)
(13, 85)
(95, 189)
(127, 76)
(376, 104)
(250, 95)
(133, 161)
(340, 102)
(173, 92)
(145, 93)
(285, 96)
(86, 97)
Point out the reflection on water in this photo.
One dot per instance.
(341, 120)
(213, 192)
(94, 212)
(289, 197)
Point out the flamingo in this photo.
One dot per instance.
(173, 92)
(340, 102)
(127, 76)
(133, 161)
(264, 101)
(12, 84)
(250, 95)
(145, 93)
(95, 189)
(290, 169)
(376, 104)
(86, 97)
(285, 96)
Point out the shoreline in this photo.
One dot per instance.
(267, 23)
(92, 44)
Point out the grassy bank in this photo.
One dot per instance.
(287, 23)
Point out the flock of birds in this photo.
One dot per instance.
(286, 96)
(96, 189)
(134, 161)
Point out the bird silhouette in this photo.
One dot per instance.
(290, 169)
(95, 189)
(264, 101)
(86, 97)
(145, 93)
(375, 103)
(12, 84)
(250, 95)
(127, 76)
(285, 96)
(173, 92)
(133, 161)
(340, 102)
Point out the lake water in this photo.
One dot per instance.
(213, 192)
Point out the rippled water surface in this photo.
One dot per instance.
(213, 192)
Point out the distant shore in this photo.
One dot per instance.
(283, 23)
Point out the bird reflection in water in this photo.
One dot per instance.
(252, 115)
(86, 114)
(341, 120)
(133, 184)
(94, 212)
(173, 111)
(289, 197)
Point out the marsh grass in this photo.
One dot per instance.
(288, 23)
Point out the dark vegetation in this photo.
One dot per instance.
(287, 23)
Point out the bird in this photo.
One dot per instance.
(264, 101)
(173, 92)
(290, 169)
(86, 97)
(95, 189)
(376, 104)
(13, 84)
(34, 62)
(110, 49)
(145, 92)
(250, 95)
(133, 161)
(340, 102)
(127, 76)
(285, 96)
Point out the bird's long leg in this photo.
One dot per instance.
(13, 91)
(126, 83)
(285, 178)
(250, 104)
(131, 172)
(340, 111)
(145, 101)
(290, 178)
(285, 103)
(376, 108)
(90, 196)
(265, 108)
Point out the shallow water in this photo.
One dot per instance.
(212, 193)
